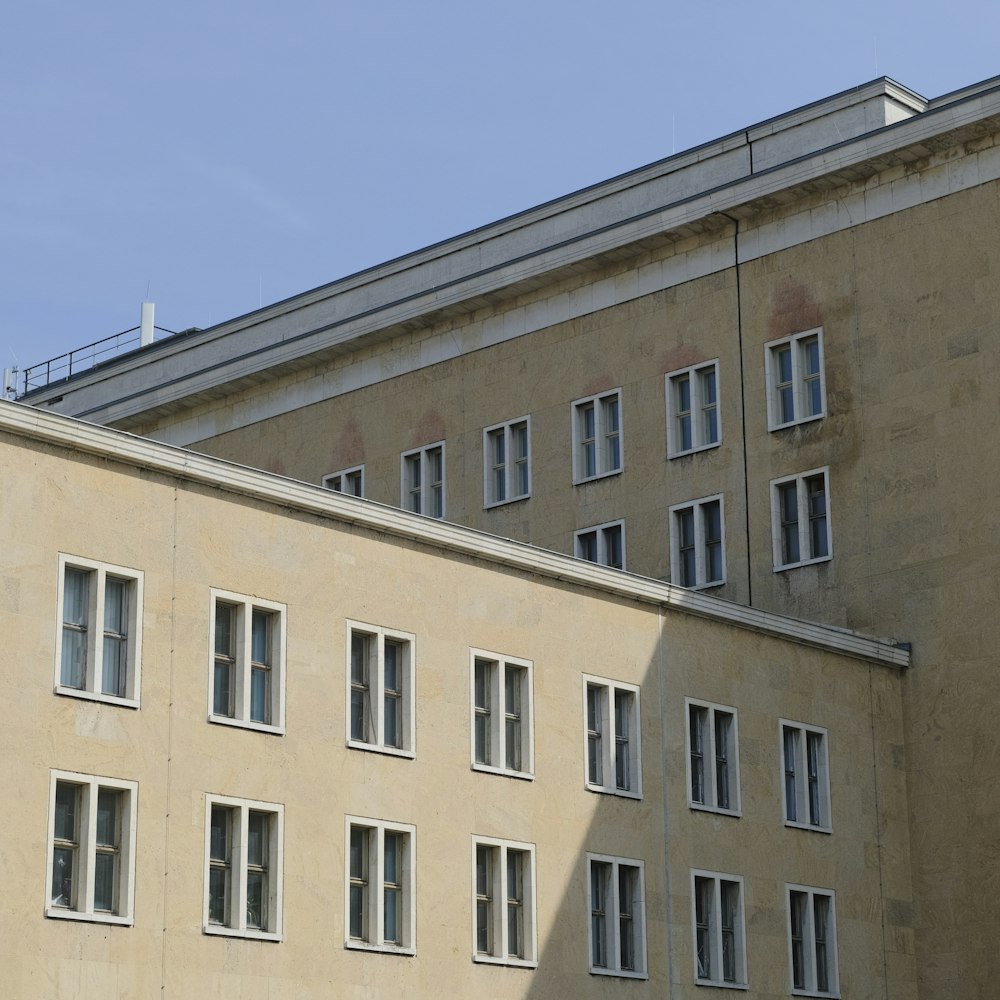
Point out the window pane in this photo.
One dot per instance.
(623, 726)
(63, 859)
(790, 740)
(723, 722)
(260, 634)
(257, 839)
(224, 628)
(484, 899)
(105, 867)
(515, 901)
(256, 900)
(259, 700)
(599, 913)
(67, 802)
(483, 681)
(75, 597)
(107, 818)
(613, 545)
(219, 834)
(513, 677)
(627, 879)
(595, 711)
(222, 702)
(218, 895)
(73, 669)
(359, 882)
(697, 720)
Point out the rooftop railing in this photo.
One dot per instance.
(65, 366)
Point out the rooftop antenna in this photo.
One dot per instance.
(146, 324)
(8, 388)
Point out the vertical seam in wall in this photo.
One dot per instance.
(878, 836)
(664, 786)
(743, 403)
(170, 744)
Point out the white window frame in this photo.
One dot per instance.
(496, 714)
(699, 412)
(373, 886)
(710, 759)
(803, 522)
(798, 385)
(715, 931)
(701, 558)
(375, 692)
(497, 904)
(603, 745)
(420, 499)
(86, 849)
(500, 474)
(238, 867)
(353, 477)
(611, 913)
(242, 671)
(600, 533)
(810, 970)
(606, 440)
(811, 792)
(94, 631)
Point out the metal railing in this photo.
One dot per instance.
(65, 366)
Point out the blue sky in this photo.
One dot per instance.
(216, 156)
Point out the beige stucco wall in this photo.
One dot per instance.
(186, 539)
(907, 304)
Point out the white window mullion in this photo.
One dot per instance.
(85, 852)
(238, 868)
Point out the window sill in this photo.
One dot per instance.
(377, 748)
(804, 562)
(618, 973)
(382, 949)
(701, 807)
(622, 793)
(504, 771)
(218, 930)
(720, 984)
(106, 699)
(794, 825)
(693, 451)
(491, 504)
(781, 427)
(60, 913)
(580, 480)
(814, 993)
(260, 727)
(519, 963)
(711, 585)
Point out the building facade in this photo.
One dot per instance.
(763, 369)
(272, 741)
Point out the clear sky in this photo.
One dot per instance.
(216, 155)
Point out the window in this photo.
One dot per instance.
(720, 958)
(806, 788)
(502, 711)
(697, 543)
(713, 761)
(351, 481)
(800, 519)
(91, 858)
(604, 544)
(794, 374)
(506, 462)
(100, 629)
(812, 940)
(612, 746)
(381, 909)
(503, 902)
(243, 853)
(247, 667)
(597, 436)
(423, 480)
(380, 689)
(693, 409)
(617, 919)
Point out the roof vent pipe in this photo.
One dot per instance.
(146, 325)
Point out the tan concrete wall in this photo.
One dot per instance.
(187, 539)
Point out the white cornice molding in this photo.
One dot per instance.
(53, 429)
(647, 203)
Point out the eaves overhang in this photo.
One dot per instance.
(700, 191)
(32, 424)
